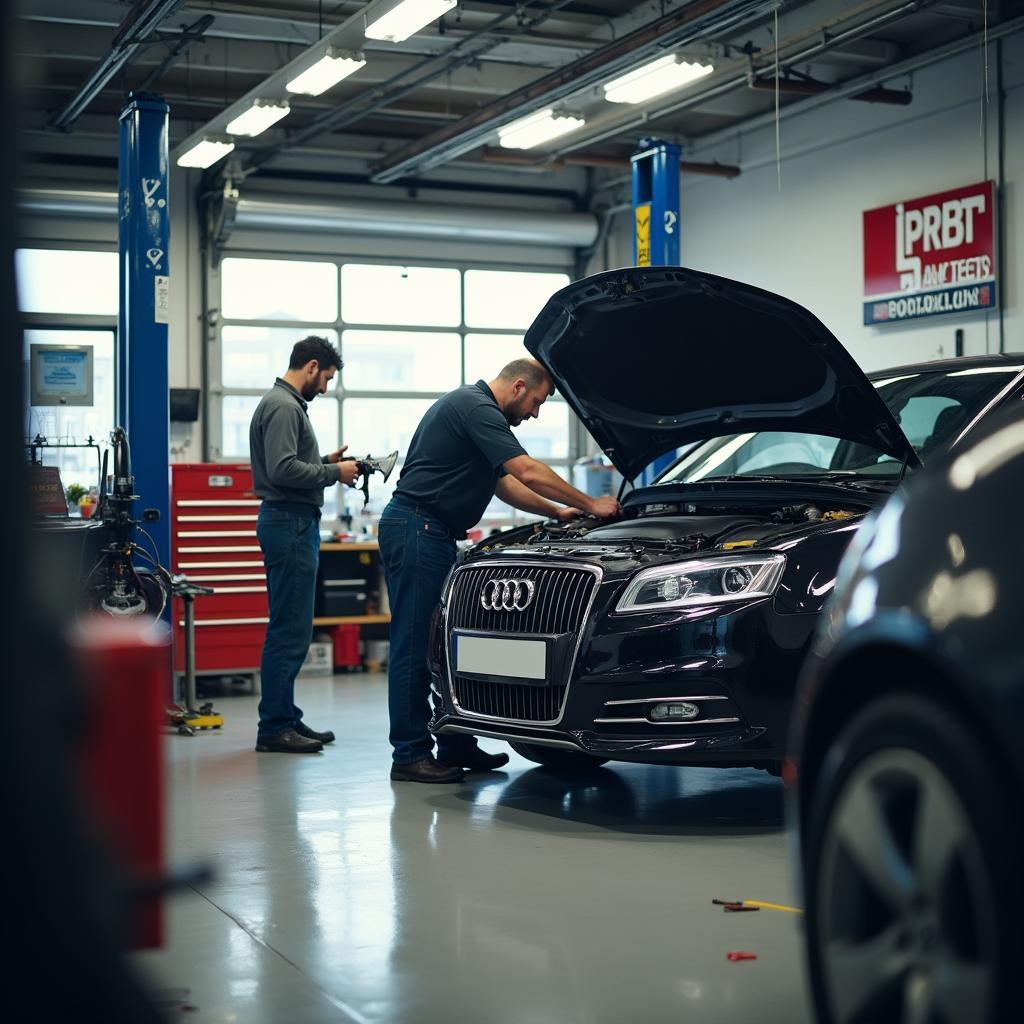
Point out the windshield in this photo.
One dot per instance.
(931, 407)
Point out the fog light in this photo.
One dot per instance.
(677, 711)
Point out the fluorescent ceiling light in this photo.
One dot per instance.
(205, 153)
(661, 75)
(327, 71)
(407, 18)
(538, 128)
(258, 118)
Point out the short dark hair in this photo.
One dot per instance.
(314, 347)
(532, 373)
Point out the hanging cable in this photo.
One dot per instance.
(984, 91)
(778, 145)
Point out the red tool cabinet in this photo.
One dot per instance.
(213, 541)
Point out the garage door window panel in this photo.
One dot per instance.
(238, 410)
(67, 281)
(508, 299)
(486, 354)
(252, 357)
(400, 296)
(400, 361)
(254, 289)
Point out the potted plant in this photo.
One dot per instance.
(75, 493)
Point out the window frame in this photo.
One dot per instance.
(215, 322)
(82, 322)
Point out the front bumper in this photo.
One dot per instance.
(739, 667)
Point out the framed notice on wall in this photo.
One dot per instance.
(931, 256)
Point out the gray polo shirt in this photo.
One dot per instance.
(286, 460)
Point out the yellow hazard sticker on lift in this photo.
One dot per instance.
(643, 236)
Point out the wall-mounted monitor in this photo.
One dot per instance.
(61, 374)
(184, 405)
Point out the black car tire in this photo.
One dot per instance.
(562, 760)
(905, 768)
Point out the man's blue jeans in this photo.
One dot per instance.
(290, 542)
(417, 551)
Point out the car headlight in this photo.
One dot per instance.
(709, 581)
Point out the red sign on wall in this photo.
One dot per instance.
(931, 256)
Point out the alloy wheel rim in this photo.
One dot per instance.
(906, 914)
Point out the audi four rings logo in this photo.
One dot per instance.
(506, 595)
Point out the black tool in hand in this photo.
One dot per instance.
(382, 464)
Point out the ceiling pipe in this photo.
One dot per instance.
(694, 21)
(406, 219)
(714, 170)
(810, 87)
(598, 160)
(138, 23)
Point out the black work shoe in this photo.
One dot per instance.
(425, 770)
(311, 734)
(476, 761)
(288, 742)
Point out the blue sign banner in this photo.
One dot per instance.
(962, 299)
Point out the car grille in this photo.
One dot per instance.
(562, 596)
(508, 700)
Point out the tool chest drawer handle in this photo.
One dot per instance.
(218, 519)
(227, 622)
(219, 565)
(216, 533)
(239, 590)
(223, 549)
(234, 577)
(216, 502)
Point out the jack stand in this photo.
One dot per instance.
(190, 718)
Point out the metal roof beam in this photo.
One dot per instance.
(138, 24)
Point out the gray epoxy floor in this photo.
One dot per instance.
(517, 898)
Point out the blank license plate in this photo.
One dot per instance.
(491, 656)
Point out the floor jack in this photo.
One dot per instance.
(189, 718)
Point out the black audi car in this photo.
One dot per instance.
(675, 634)
(907, 770)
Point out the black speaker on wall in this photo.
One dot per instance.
(184, 405)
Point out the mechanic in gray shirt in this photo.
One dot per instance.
(462, 454)
(290, 475)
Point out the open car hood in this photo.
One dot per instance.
(652, 358)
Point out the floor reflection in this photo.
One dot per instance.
(642, 799)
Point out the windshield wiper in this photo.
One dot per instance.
(742, 477)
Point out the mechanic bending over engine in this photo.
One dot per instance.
(290, 475)
(462, 454)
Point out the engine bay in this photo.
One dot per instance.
(679, 526)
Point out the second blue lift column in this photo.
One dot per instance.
(656, 204)
(656, 225)
(141, 372)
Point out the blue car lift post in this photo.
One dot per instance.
(656, 227)
(141, 374)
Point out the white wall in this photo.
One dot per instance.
(184, 332)
(805, 241)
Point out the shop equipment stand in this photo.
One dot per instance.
(190, 718)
